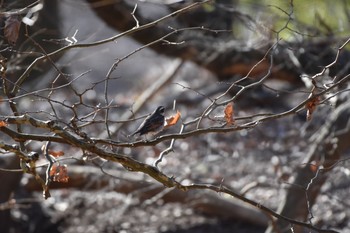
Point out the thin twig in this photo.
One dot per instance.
(133, 15)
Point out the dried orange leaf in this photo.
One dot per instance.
(229, 114)
(11, 30)
(56, 153)
(3, 124)
(314, 166)
(311, 107)
(59, 173)
(172, 120)
(53, 170)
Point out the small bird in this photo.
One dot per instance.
(153, 124)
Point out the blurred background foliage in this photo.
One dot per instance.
(303, 18)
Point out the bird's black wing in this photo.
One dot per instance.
(152, 124)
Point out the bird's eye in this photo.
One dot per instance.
(161, 109)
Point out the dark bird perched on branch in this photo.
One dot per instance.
(153, 124)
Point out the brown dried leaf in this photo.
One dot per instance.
(229, 114)
(172, 120)
(53, 170)
(11, 30)
(59, 173)
(314, 165)
(311, 107)
(3, 124)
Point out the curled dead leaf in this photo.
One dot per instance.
(3, 124)
(59, 173)
(314, 166)
(11, 30)
(172, 120)
(229, 114)
(311, 107)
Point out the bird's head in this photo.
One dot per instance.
(160, 110)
